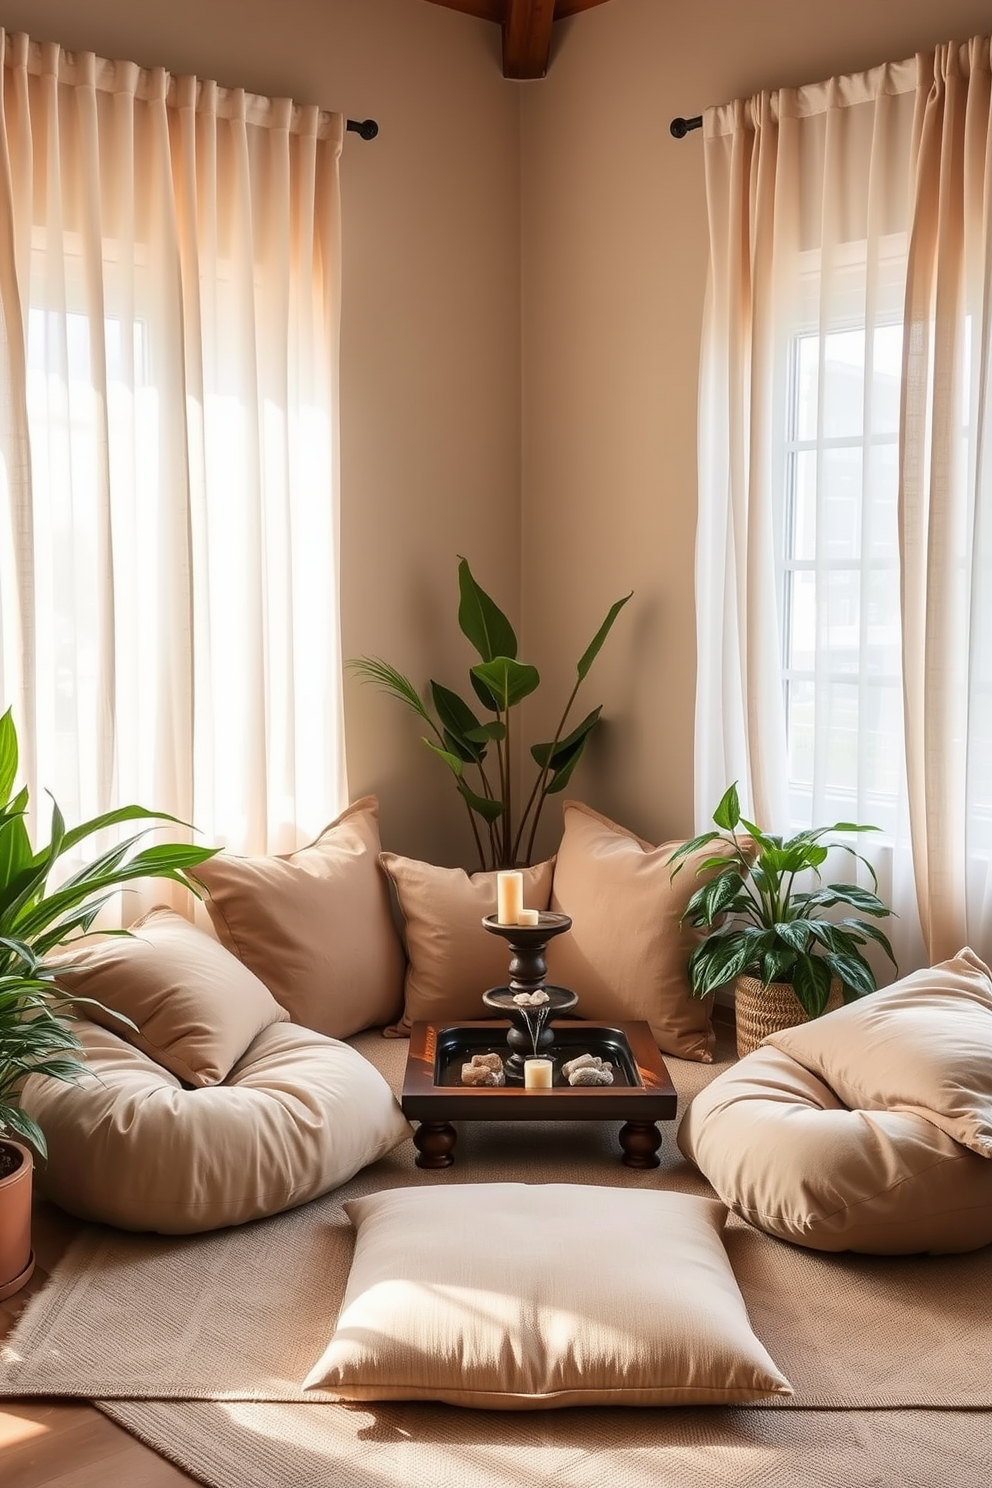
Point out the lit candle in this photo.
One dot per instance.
(529, 917)
(509, 897)
(537, 1074)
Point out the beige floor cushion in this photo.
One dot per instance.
(784, 1152)
(298, 1115)
(514, 1296)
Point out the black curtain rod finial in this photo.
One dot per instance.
(367, 128)
(680, 127)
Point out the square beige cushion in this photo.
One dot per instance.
(514, 1296)
(195, 1007)
(316, 925)
(452, 959)
(923, 1045)
(627, 952)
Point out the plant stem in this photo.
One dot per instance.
(539, 792)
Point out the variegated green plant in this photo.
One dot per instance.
(769, 927)
(482, 750)
(36, 1034)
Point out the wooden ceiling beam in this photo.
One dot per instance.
(526, 26)
(527, 38)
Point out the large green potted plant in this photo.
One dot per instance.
(769, 927)
(36, 919)
(482, 750)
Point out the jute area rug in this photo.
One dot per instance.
(198, 1346)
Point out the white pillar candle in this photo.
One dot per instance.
(529, 917)
(509, 897)
(537, 1074)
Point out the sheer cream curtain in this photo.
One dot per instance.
(844, 556)
(169, 309)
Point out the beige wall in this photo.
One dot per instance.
(430, 357)
(577, 179)
(614, 255)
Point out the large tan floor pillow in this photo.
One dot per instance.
(131, 1146)
(785, 1154)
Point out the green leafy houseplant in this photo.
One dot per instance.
(36, 1035)
(766, 926)
(483, 749)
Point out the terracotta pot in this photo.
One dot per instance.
(16, 1255)
(760, 1010)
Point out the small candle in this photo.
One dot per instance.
(509, 897)
(537, 1074)
(529, 917)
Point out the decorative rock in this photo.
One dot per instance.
(484, 1069)
(588, 1069)
(590, 1076)
(531, 999)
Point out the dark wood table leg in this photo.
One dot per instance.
(640, 1141)
(435, 1144)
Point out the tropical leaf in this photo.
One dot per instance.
(509, 681)
(728, 812)
(483, 806)
(811, 983)
(372, 669)
(481, 620)
(8, 755)
(553, 755)
(592, 650)
(453, 761)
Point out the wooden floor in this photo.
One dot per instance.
(48, 1444)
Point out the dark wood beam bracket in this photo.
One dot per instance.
(526, 26)
(527, 38)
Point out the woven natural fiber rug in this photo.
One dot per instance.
(198, 1346)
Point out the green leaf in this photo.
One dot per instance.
(677, 860)
(795, 933)
(592, 650)
(453, 761)
(457, 722)
(811, 984)
(481, 620)
(509, 681)
(777, 964)
(372, 669)
(873, 933)
(858, 898)
(494, 730)
(20, 1124)
(562, 772)
(853, 971)
(728, 813)
(8, 755)
(553, 755)
(483, 806)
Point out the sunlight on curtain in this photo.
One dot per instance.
(843, 551)
(169, 312)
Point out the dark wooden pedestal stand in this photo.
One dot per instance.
(529, 1032)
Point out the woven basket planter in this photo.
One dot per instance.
(761, 1010)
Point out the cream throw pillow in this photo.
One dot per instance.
(627, 952)
(195, 1007)
(315, 925)
(512, 1296)
(452, 959)
(923, 1045)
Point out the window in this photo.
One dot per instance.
(839, 604)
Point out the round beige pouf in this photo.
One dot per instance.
(782, 1152)
(131, 1146)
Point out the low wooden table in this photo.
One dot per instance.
(641, 1095)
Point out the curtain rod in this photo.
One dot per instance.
(679, 127)
(368, 128)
